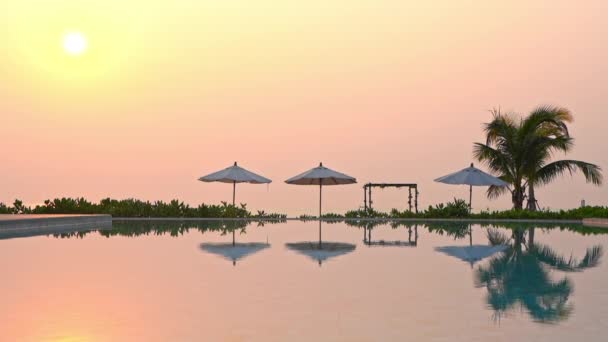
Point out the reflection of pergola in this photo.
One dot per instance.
(411, 242)
(367, 193)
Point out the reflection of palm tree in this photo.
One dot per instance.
(522, 275)
(457, 230)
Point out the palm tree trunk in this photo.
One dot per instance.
(518, 238)
(530, 238)
(517, 198)
(532, 206)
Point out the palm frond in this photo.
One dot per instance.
(542, 146)
(551, 117)
(494, 191)
(543, 131)
(495, 160)
(549, 172)
(550, 257)
(592, 257)
(539, 151)
(502, 126)
(496, 237)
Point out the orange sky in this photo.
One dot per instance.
(382, 90)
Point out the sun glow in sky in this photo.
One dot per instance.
(384, 90)
(75, 43)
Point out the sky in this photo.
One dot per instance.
(385, 91)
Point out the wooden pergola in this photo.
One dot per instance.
(412, 187)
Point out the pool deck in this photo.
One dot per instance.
(596, 222)
(13, 226)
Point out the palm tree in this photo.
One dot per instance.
(520, 150)
(522, 275)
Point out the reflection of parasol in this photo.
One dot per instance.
(233, 252)
(471, 254)
(316, 252)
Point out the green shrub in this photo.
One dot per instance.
(175, 208)
(333, 216)
(4, 209)
(133, 208)
(365, 213)
(261, 214)
(456, 209)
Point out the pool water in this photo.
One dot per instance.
(381, 281)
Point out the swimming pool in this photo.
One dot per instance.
(380, 281)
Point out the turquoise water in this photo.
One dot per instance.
(163, 281)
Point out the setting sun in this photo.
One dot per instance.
(75, 43)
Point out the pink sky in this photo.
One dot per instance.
(386, 91)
